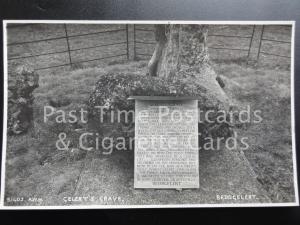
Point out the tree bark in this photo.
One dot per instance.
(179, 48)
(181, 52)
(161, 40)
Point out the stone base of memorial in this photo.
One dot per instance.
(166, 142)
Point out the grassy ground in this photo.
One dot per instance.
(270, 152)
(31, 154)
(32, 158)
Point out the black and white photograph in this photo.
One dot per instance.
(148, 114)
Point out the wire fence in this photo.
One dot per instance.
(139, 42)
(253, 41)
(249, 38)
(70, 50)
(73, 44)
(264, 40)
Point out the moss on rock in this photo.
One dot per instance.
(21, 84)
(113, 89)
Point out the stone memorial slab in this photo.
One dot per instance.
(166, 142)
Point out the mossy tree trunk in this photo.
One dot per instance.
(161, 39)
(179, 48)
(181, 52)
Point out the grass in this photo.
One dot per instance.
(34, 166)
(270, 153)
(33, 161)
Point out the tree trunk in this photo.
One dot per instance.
(185, 50)
(179, 48)
(181, 52)
(161, 40)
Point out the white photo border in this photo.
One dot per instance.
(215, 205)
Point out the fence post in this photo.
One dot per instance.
(127, 42)
(134, 44)
(68, 44)
(250, 45)
(260, 41)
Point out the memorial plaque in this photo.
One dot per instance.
(166, 142)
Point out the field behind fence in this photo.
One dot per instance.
(51, 46)
(263, 43)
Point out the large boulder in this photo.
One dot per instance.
(113, 89)
(21, 84)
